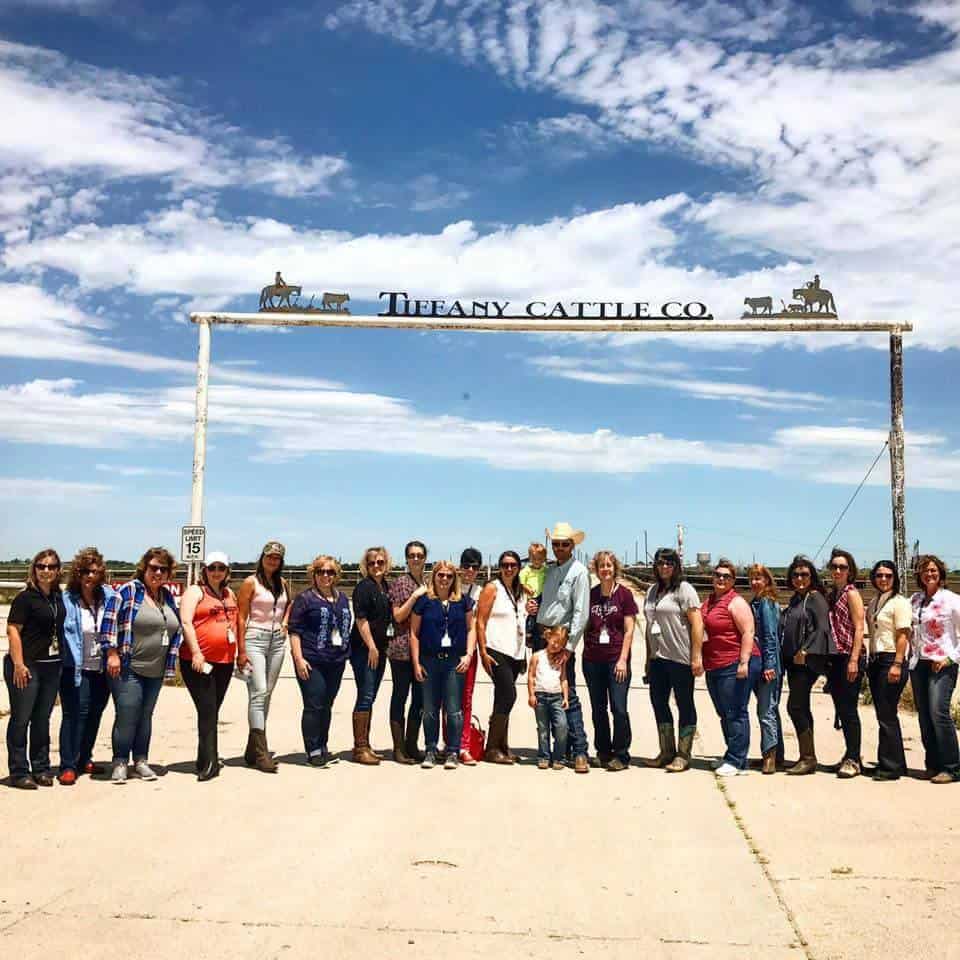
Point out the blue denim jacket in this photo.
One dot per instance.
(766, 620)
(73, 630)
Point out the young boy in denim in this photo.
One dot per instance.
(549, 694)
(531, 579)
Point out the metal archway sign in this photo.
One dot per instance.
(812, 310)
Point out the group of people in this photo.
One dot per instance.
(89, 642)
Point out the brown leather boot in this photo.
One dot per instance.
(681, 761)
(668, 746)
(250, 754)
(361, 740)
(495, 740)
(808, 756)
(511, 757)
(263, 761)
(399, 748)
(770, 761)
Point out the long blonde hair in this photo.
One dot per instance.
(455, 593)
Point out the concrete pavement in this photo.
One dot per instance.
(395, 861)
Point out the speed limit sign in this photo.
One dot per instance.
(193, 541)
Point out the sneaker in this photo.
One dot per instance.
(119, 773)
(544, 764)
(848, 769)
(320, 759)
(466, 759)
(729, 770)
(716, 764)
(557, 765)
(142, 769)
(429, 760)
(67, 778)
(451, 762)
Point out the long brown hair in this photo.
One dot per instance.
(88, 556)
(32, 572)
(155, 553)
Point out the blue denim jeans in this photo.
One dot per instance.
(265, 650)
(664, 676)
(442, 686)
(604, 687)
(80, 711)
(932, 693)
(768, 710)
(731, 697)
(319, 691)
(30, 711)
(551, 719)
(134, 699)
(576, 733)
(368, 681)
(401, 676)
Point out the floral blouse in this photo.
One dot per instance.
(936, 626)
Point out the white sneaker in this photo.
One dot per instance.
(119, 773)
(729, 770)
(143, 771)
(716, 764)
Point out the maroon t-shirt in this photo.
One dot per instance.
(607, 612)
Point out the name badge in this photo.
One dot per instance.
(335, 638)
(164, 639)
(655, 629)
(95, 650)
(604, 636)
(54, 644)
(390, 631)
(231, 638)
(446, 642)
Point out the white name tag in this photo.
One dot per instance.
(604, 636)
(390, 631)
(655, 629)
(95, 650)
(164, 639)
(231, 639)
(445, 642)
(335, 638)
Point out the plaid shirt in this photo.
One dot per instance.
(119, 615)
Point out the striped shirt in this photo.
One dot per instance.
(116, 628)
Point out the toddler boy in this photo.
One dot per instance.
(531, 579)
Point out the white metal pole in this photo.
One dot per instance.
(200, 432)
(897, 456)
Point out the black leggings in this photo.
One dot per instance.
(505, 673)
(208, 691)
(846, 702)
(801, 680)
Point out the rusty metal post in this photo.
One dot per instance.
(200, 432)
(897, 457)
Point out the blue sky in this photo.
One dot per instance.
(157, 159)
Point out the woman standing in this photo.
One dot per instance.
(141, 630)
(765, 607)
(606, 660)
(320, 624)
(891, 619)
(372, 630)
(263, 608)
(210, 626)
(847, 667)
(404, 593)
(32, 670)
(470, 562)
(933, 667)
(442, 641)
(674, 657)
(84, 689)
(731, 660)
(501, 635)
(806, 643)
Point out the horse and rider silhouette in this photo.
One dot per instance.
(278, 290)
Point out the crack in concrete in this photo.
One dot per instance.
(933, 881)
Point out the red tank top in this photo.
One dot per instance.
(215, 623)
(721, 638)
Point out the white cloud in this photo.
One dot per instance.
(46, 489)
(120, 470)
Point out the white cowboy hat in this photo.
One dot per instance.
(563, 531)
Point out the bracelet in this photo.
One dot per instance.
(897, 663)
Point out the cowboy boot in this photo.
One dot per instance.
(264, 763)
(361, 740)
(808, 755)
(250, 754)
(511, 757)
(668, 746)
(681, 761)
(770, 761)
(495, 737)
(412, 735)
(399, 748)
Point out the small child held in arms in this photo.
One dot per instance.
(549, 695)
(531, 579)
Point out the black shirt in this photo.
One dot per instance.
(40, 619)
(372, 604)
(806, 624)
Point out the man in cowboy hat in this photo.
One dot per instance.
(566, 602)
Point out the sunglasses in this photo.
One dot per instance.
(722, 576)
(839, 566)
(326, 573)
(154, 568)
(470, 566)
(379, 562)
(882, 576)
(216, 567)
(509, 566)
(666, 563)
(444, 576)
(89, 572)
(416, 556)
(46, 566)
(563, 543)
(801, 576)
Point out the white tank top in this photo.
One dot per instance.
(547, 679)
(506, 628)
(266, 611)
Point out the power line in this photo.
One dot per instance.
(886, 443)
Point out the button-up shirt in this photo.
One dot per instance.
(566, 600)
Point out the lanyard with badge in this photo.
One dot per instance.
(604, 611)
(55, 613)
(390, 631)
(655, 630)
(336, 639)
(165, 635)
(520, 617)
(445, 640)
(96, 613)
(231, 636)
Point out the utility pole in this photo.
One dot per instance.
(897, 455)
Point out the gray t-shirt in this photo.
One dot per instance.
(668, 629)
(149, 654)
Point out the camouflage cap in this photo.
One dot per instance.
(273, 547)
